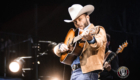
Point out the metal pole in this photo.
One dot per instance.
(36, 43)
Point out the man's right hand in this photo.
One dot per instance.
(63, 47)
(60, 48)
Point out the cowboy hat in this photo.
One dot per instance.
(76, 10)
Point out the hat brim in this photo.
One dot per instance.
(86, 9)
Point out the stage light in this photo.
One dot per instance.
(17, 64)
(14, 66)
(55, 79)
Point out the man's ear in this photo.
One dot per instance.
(87, 16)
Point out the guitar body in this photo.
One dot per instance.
(74, 49)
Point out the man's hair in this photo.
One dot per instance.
(108, 37)
(86, 13)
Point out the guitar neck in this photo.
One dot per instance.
(120, 49)
(77, 38)
(112, 57)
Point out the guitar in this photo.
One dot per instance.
(75, 45)
(119, 50)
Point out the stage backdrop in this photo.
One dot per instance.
(44, 19)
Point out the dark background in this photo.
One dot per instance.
(21, 20)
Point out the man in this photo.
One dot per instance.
(87, 65)
(110, 70)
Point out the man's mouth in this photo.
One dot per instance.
(80, 26)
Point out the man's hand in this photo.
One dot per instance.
(60, 48)
(63, 48)
(107, 66)
(86, 35)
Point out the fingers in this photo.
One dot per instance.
(64, 48)
(106, 63)
(107, 66)
(85, 33)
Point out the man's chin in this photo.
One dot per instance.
(81, 27)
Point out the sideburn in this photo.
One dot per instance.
(86, 23)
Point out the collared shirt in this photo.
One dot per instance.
(77, 60)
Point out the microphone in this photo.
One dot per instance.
(50, 42)
(50, 47)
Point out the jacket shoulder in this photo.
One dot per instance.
(101, 27)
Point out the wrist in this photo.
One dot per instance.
(91, 41)
(59, 45)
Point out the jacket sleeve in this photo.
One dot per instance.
(100, 38)
(56, 50)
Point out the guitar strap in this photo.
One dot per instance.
(106, 55)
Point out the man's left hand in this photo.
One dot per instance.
(87, 36)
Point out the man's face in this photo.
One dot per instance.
(82, 21)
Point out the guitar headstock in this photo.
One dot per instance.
(121, 47)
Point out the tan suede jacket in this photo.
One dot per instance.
(92, 56)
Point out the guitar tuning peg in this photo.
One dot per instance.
(124, 42)
(118, 49)
(124, 45)
(120, 46)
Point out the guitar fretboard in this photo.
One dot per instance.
(112, 57)
(77, 38)
(91, 31)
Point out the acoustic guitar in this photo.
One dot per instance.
(74, 44)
